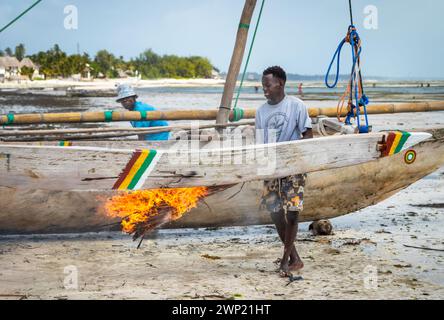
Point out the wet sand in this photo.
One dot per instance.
(364, 259)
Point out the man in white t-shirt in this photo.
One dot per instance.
(283, 118)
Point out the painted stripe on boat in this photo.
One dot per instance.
(395, 142)
(65, 143)
(390, 138)
(142, 156)
(156, 157)
(127, 169)
(404, 138)
(137, 170)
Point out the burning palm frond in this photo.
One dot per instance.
(146, 210)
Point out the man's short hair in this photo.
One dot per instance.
(277, 72)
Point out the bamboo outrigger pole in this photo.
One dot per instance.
(105, 133)
(114, 130)
(108, 116)
(236, 62)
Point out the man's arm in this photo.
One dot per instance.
(258, 132)
(304, 122)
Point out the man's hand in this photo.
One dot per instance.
(307, 134)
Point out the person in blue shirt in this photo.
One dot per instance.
(128, 98)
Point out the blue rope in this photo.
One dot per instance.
(338, 54)
(353, 38)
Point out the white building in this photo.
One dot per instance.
(9, 68)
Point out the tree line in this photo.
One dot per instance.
(149, 65)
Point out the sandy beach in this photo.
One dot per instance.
(366, 258)
(91, 210)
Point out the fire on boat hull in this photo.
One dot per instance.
(329, 194)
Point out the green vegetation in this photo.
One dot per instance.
(149, 65)
(20, 51)
(27, 71)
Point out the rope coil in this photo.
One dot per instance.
(355, 88)
(238, 114)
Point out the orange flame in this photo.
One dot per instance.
(138, 208)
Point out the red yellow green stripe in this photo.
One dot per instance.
(402, 141)
(65, 143)
(144, 166)
(395, 142)
(135, 169)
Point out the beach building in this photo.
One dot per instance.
(9, 68)
(26, 62)
(86, 74)
(215, 74)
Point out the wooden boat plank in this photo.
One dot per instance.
(92, 168)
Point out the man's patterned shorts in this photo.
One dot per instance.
(284, 193)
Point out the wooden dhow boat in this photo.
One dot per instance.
(42, 210)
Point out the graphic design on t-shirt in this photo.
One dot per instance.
(276, 122)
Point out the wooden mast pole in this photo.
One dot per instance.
(236, 62)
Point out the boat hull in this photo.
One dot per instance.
(329, 193)
(91, 168)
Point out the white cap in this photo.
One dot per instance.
(125, 91)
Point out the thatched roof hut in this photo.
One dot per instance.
(26, 62)
(9, 62)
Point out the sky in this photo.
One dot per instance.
(299, 35)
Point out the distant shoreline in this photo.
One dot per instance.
(110, 84)
(107, 84)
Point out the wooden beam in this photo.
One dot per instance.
(236, 62)
(80, 117)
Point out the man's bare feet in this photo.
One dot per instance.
(292, 266)
(285, 274)
(284, 269)
(296, 266)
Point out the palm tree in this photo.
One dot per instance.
(20, 51)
